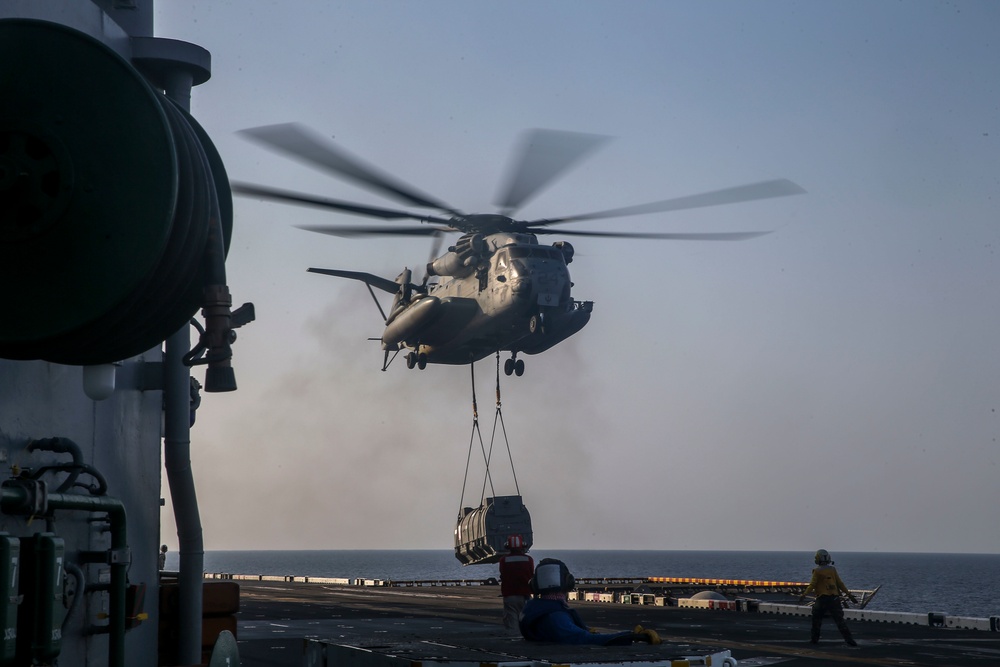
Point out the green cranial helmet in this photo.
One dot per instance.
(823, 557)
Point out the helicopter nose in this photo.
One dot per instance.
(520, 286)
(547, 279)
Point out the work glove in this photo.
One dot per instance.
(644, 635)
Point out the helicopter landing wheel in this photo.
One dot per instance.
(536, 324)
(508, 366)
(421, 361)
(411, 359)
(519, 367)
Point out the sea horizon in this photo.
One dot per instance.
(437, 549)
(963, 584)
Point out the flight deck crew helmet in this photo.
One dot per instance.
(823, 557)
(515, 542)
(552, 576)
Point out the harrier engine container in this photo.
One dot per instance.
(481, 533)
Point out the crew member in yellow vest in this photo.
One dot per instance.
(827, 586)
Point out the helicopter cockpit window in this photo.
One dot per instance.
(537, 252)
(502, 260)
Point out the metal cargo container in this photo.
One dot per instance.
(481, 533)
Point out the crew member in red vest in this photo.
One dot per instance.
(516, 569)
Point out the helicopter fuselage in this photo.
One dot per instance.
(499, 292)
(517, 298)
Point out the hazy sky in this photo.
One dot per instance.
(834, 384)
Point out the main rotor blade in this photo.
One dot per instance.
(338, 230)
(300, 142)
(290, 197)
(543, 155)
(764, 190)
(668, 236)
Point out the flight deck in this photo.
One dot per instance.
(323, 624)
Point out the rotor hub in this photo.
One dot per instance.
(489, 223)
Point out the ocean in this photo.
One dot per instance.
(955, 584)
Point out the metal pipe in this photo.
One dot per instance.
(177, 452)
(177, 462)
(16, 497)
(62, 446)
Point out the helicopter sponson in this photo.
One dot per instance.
(404, 322)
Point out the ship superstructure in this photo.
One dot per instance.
(115, 219)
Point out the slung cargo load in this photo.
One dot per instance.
(481, 533)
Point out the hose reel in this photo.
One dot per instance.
(115, 207)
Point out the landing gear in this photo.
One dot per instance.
(536, 323)
(513, 367)
(415, 359)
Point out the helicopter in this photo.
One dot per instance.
(496, 289)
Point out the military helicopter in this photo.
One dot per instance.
(497, 289)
